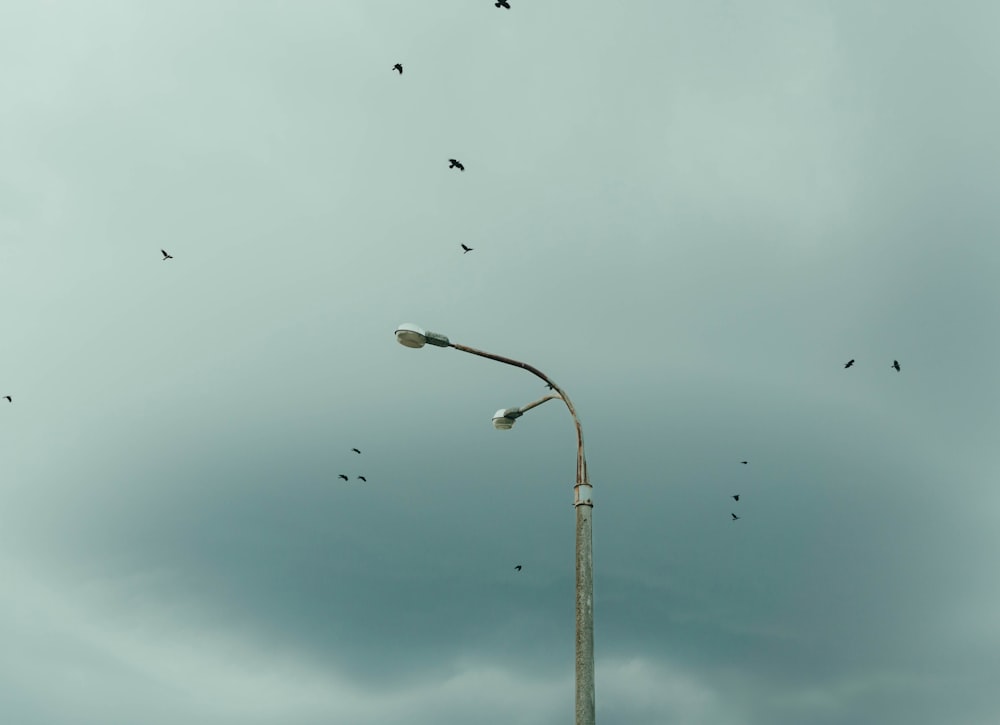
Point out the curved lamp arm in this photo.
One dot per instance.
(410, 335)
(581, 460)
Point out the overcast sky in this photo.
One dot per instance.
(689, 214)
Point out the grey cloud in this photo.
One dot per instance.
(690, 215)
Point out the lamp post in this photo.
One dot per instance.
(410, 335)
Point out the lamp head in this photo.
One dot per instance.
(504, 418)
(410, 335)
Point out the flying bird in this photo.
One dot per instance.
(399, 67)
(549, 386)
(849, 363)
(517, 568)
(8, 399)
(343, 477)
(456, 164)
(363, 479)
(736, 497)
(165, 255)
(735, 517)
(465, 249)
(895, 364)
(356, 451)
(502, 4)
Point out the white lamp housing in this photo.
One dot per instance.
(504, 418)
(410, 335)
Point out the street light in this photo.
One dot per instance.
(410, 335)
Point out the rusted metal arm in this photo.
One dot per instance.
(583, 497)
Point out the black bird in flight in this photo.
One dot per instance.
(744, 462)
(343, 477)
(895, 364)
(735, 517)
(456, 164)
(502, 4)
(165, 255)
(465, 249)
(399, 67)
(8, 399)
(363, 479)
(356, 451)
(736, 497)
(517, 568)
(549, 386)
(849, 363)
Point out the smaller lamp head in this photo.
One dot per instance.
(504, 418)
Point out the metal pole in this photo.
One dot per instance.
(585, 707)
